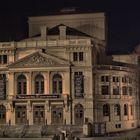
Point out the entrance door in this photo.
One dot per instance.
(2, 114)
(39, 114)
(57, 114)
(20, 114)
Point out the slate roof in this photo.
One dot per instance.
(69, 31)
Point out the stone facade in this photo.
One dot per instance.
(61, 75)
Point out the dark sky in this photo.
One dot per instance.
(123, 19)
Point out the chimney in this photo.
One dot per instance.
(43, 31)
(62, 31)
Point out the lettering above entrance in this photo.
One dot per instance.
(37, 96)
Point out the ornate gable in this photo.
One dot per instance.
(39, 60)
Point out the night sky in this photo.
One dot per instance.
(123, 19)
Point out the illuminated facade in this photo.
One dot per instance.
(61, 75)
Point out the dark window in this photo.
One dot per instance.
(124, 90)
(117, 110)
(104, 78)
(118, 125)
(106, 110)
(57, 84)
(21, 84)
(75, 56)
(3, 59)
(105, 90)
(131, 109)
(79, 114)
(125, 109)
(115, 90)
(115, 79)
(39, 84)
(130, 91)
(78, 56)
(124, 79)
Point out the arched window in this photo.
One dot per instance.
(39, 84)
(79, 114)
(125, 109)
(117, 110)
(57, 84)
(106, 110)
(21, 84)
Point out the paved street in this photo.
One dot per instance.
(132, 135)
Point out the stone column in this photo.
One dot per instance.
(47, 113)
(29, 113)
(29, 81)
(46, 83)
(11, 86)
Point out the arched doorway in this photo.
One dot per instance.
(21, 84)
(20, 114)
(57, 114)
(2, 114)
(57, 84)
(39, 84)
(79, 114)
(38, 114)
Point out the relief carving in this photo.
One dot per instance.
(39, 60)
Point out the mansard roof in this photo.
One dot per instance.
(69, 31)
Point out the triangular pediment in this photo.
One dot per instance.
(39, 59)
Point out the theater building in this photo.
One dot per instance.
(60, 75)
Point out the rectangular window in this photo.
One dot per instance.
(104, 78)
(124, 79)
(105, 90)
(75, 56)
(3, 59)
(130, 91)
(131, 109)
(78, 56)
(115, 79)
(124, 90)
(115, 90)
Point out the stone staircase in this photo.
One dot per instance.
(53, 129)
(13, 131)
(33, 131)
